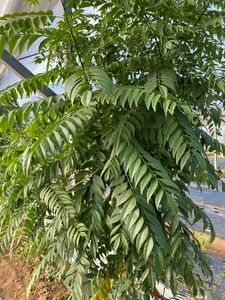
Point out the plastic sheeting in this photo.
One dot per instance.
(11, 6)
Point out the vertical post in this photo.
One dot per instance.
(215, 153)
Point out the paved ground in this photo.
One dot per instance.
(213, 203)
(218, 219)
(208, 196)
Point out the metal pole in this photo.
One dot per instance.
(20, 70)
(215, 153)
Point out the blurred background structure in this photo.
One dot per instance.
(12, 69)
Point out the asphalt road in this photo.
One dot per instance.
(213, 203)
(207, 196)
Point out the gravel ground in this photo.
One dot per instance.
(213, 203)
(218, 290)
(218, 267)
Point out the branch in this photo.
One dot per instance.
(74, 41)
(155, 38)
(79, 55)
(201, 15)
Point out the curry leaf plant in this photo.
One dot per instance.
(94, 182)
